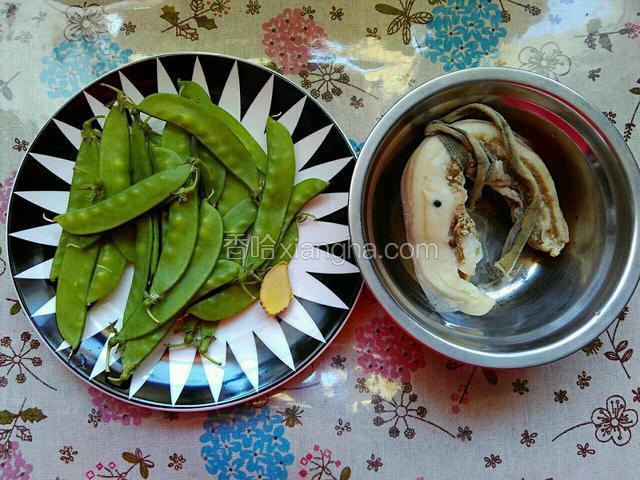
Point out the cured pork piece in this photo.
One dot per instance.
(550, 233)
(433, 199)
(435, 204)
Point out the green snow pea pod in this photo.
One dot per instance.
(193, 91)
(180, 238)
(233, 192)
(85, 187)
(213, 175)
(142, 169)
(58, 256)
(125, 205)
(178, 140)
(276, 193)
(224, 272)
(209, 130)
(84, 241)
(203, 260)
(301, 194)
(77, 264)
(107, 273)
(141, 135)
(286, 248)
(155, 139)
(71, 293)
(164, 159)
(225, 303)
(239, 218)
(124, 238)
(164, 225)
(115, 149)
(156, 241)
(135, 351)
(114, 172)
(178, 247)
(141, 273)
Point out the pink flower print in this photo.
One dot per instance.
(385, 348)
(321, 465)
(113, 410)
(632, 29)
(290, 39)
(5, 193)
(14, 466)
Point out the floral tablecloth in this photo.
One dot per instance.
(376, 404)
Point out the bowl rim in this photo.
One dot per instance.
(600, 320)
(254, 396)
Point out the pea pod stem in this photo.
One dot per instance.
(211, 359)
(122, 100)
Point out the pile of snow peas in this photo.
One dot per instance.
(201, 211)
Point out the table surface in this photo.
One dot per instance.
(376, 404)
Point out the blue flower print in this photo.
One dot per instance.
(74, 64)
(247, 444)
(277, 464)
(464, 33)
(356, 146)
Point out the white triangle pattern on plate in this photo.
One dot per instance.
(199, 77)
(96, 107)
(322, 233)
(324, 171)
(44, 235)
(53, 200)
(255, 120)
(72, 133)
(101, 361)
(237, 332)
(141, 374)
(180, 363)
(47, 309)
(134, 94)
(296, 316)
(230, 98)
(315, 260)
(37, 272)
(215, 373)
(327, 203)
(306, 147)
(165, 84)
(308, 287)
(130, 89)
(291, 117)
(61, 168)
(270, 332)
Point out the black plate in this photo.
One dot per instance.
(325, 287)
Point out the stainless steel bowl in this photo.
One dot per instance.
(550, 307)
